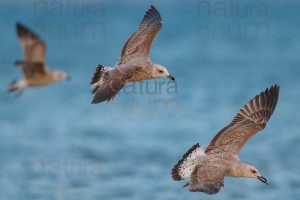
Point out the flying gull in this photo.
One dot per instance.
(206, 170)
(34, 67)
(134, 63)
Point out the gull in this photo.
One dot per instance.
(134, 63)
(34, 67)
(207, 169)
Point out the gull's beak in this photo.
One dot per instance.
(171, 77)
(263, 179)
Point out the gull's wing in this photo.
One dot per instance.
(34, 63)
(34, 47)
(34, 70)
(106, 83)
(139, 43)
(206, 178)
(251, 119)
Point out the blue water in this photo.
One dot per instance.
(56, 145)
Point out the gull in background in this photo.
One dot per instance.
(34, 67)
(206, 170)
(134, 63)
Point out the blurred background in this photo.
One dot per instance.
(56, 145)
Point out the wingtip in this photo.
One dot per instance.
(24, 31)
(152, 7)
(97, 101)
(151, 16)
(277, 86)
(153, 11)
(20, 26)
(274, 89)
(94, 101)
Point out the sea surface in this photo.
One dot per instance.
(56, 145)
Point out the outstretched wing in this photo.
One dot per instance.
(34, 63)
(34, 47)
(139, 43)
(251, 119)
(107, 82)
(207, 179)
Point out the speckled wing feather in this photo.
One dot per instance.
(207, 179)
(139, 43)
(251, 119)
(107, 82)
(34, 47)
(34, 53)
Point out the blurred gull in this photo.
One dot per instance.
(34, 67)
(134, 63)
(206, 170)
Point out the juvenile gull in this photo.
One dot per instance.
(134, 63)
(34, 67)
(207, 170)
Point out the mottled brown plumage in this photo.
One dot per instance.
(134, 63)
(33, 66)
(207, 170)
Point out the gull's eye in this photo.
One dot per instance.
(160, 71)
(253, 171)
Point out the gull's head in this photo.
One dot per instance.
(60, 75)
(252, 172)
(159, 71)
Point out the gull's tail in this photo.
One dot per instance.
(13, 86)
(185, 166)
(17, 86)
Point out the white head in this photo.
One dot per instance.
(159, 71)
(60, 75)
(251, 172)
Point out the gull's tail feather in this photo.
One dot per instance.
(185, 166)
(17, 87)
(13, 86)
